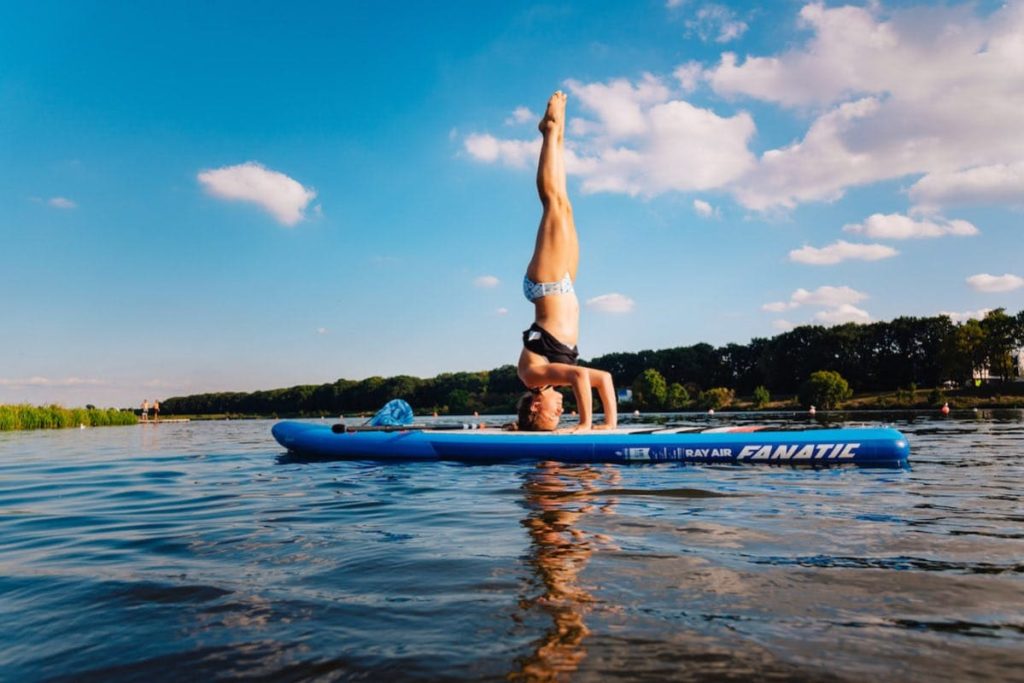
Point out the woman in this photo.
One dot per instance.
(550, 355)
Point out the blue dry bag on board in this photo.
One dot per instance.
(396, 412)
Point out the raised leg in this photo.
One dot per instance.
(557, 248)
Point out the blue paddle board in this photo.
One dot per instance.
(873, 447)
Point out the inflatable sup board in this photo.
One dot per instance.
(873, 447)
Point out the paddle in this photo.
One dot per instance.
(396, 416)
(343, 429)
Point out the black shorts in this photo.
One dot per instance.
(540, 341)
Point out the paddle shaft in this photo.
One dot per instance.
(342, 428)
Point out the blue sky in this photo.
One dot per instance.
(236, 196)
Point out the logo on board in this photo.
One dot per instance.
(758, 452)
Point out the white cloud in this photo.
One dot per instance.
(621, 106)
(703, 209)
(62, 203)
(837, 304)
(283, 197)
(486, 281)
(844, 313)
(933, 92)
(521, 115)
(896, 226)
(983, 282)
(828, 296)
(688, 75)
(841, 251)
(931, 89)
(635, 140)
(998, 183)
(778, 306)
(642, 137)
(966, 315)
(514, 153)
(817, 168)
(611, 303)
(716, 22)
(321, 331)
(502, 311)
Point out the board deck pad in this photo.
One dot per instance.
(864, 446)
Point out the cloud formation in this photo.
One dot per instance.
(521, 115)
(281, 196)
(983, 282)
(826, 296)
(633, 138)
(998, 184)
(716, 22)
(844, 313)
(611, 303)
(920, 90)
(703, 209)
(964, 316)
(841, 251)
(489, 149)
(62, 203)
(486, 282)
(896, 226)
(931, 91)
(837, 304)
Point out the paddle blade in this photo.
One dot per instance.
(395, 412)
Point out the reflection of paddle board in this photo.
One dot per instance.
(876, 447)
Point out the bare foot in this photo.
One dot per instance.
(554, 117)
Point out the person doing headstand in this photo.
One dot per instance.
(550, 355)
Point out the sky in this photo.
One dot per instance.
(228, 196)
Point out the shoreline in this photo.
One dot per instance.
(23, 417)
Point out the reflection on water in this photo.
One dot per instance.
(557, 496)
(191, 551)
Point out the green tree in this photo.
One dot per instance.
(678, 397)
(716, 397)
(967, 350)
(1000, 342)
(650, 390)
(761, 396)
(825, 389)
(459, 402)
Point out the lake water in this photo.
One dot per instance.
(196, 552)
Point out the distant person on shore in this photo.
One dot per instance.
(156, 409)
(145, 409)
(550, 356)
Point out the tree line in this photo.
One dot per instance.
(881, 356)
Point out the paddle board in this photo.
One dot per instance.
(875, 447)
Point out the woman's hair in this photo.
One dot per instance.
(526, 417)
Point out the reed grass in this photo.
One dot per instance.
(25, 416)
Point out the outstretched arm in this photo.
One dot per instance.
(582, 381)
(563, 374)
(605, 386)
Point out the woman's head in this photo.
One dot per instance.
(539, 411)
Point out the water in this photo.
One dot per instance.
(195, 552)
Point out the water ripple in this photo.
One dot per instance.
(196, 550)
